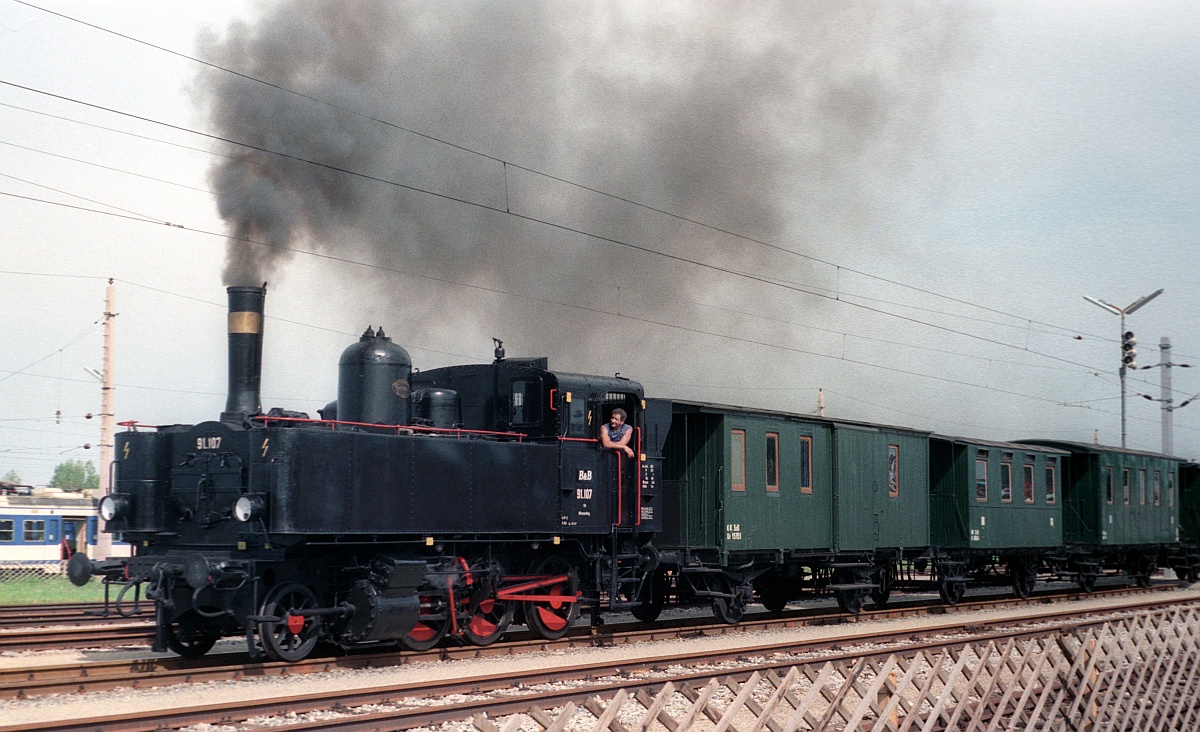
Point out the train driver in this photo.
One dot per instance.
(616, 434)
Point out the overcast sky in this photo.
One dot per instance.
(734, 203)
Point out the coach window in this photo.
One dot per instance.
(737, 460)
(981, 471)
(1027, 477)
(1006, 477)
(1126, 481)
(1108, 485)
(1051, 485)
(7, 526)
(1142, 487)
(773, 461)
(806, 478)
(1171, 489)
(33, 531)
(893, 470)
(1157, 487)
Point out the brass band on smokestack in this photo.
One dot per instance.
(245, 353)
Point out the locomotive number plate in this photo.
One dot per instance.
(208, 443)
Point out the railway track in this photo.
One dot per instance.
(69, 613)
(165, 670)
(640, 672)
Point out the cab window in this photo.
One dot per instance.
(526, 401)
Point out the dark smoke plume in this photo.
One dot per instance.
(781, 121)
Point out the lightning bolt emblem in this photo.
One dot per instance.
(266, 442)
(126, 450)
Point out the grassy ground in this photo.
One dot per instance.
(39, 591)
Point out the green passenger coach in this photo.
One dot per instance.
(809, 503)
(997, 505)
(1121, 508)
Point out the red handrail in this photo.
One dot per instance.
(333, 424)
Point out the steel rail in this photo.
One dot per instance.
(32, 681)
(883, 644)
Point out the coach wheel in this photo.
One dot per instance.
(492, 617)
(951, 590)
(551, 618)
(772, 600)
(293, 637)
(1086, 581)
(433, 621)
(849, 601)
(886, 578)
(650, 599)
(731, 607)
(1023, 579)
(1140, 569)
(191, 636)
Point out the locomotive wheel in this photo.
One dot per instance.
(432, 623)
(951, 590)
(294, 636)
(650, 600)
(492, 617)
(1023, 579)
(190, 636)
(551, 619)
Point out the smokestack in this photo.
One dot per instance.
(245, 353)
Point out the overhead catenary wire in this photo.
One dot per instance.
(507, 163)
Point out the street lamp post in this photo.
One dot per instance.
(1127, 342)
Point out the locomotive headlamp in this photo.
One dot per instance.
(249, 508)
(114, 507)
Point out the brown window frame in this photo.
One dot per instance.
(772, 460)
(893, 469)
(1127, 484)
(1170, 489)
(734, 436)
(1051, 473)
(1028, 476)
(1141, 486)
(806, 469)
(1006, 484)
(981, 458)
(1157, 488)
(1111, 488)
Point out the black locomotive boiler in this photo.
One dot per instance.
(421, 505)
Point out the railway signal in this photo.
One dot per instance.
(1128, 350)
(1128, 353)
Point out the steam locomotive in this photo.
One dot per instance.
(455, 502)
